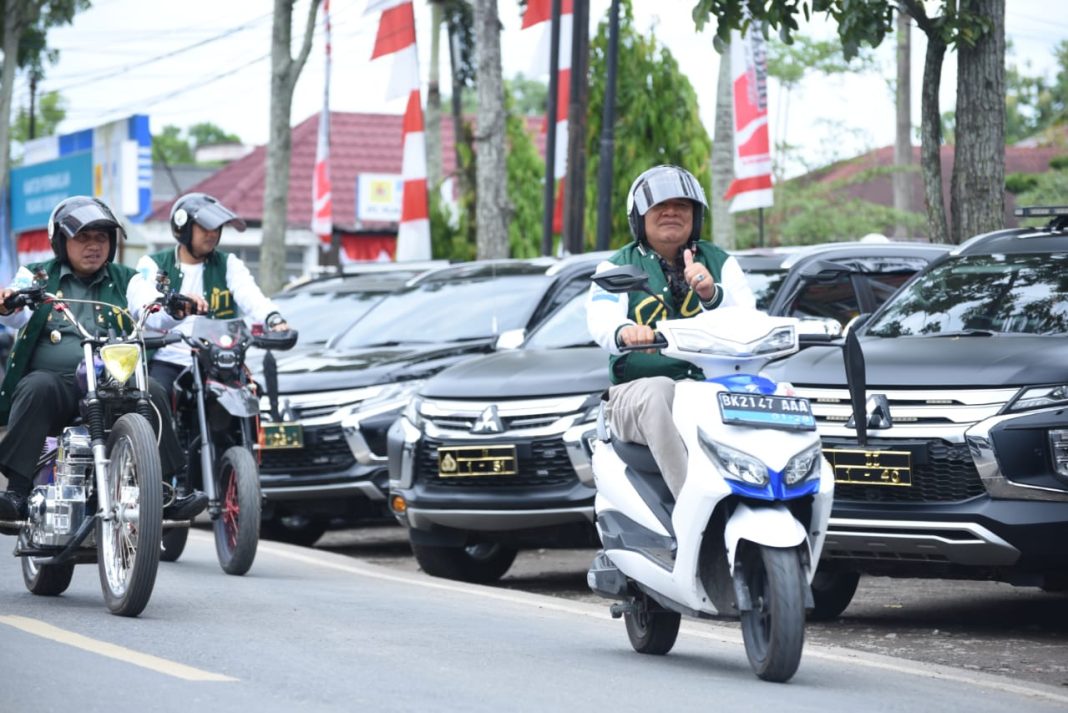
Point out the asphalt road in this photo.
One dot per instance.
(990, 627)
(311, 630)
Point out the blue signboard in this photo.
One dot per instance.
(36, 189)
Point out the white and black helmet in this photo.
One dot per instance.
(77, 213)
(658, 184)
(205, 211)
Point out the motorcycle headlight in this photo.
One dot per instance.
(803, 465)
(1040, 397)
(734, 463)
(120, 360)
(693, 340)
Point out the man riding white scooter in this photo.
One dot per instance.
(666, 210)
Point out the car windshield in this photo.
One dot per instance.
(764, 283)
(315, 314)
(448, 311)
(565, 328)
(981, 295)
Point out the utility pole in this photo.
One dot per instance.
(33, 97)
(608, 120)
(902, 176)
(575, 190)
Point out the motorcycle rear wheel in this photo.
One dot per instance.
(174, 540)
(128, 542)
(237, 529)
(774, 629)
(47, 580)
(651, 629)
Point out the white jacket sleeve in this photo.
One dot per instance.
(736, 289)
(17, 320)
(250, 299)
(142, 291)
(606, 313)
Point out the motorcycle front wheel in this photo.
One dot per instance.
(237, 529)
(128, 536)
(774, 628)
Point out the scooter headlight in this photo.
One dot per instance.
(120, 360)
(803, 466)
(734, 463)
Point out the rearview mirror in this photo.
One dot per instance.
(627, 278)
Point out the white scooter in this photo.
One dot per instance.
(745, 535)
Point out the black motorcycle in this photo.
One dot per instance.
(97, 497)
(217, 407)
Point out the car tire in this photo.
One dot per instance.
(293, 531)
(832, 592)
(480, 563)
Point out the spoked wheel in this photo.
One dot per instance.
(174, 539)
(48, 580)
(128, 536)
(651, 628)
(237, 529)
(774, 629)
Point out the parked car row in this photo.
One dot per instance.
(480, 448)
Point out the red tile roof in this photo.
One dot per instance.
(360, 143)
(878, 188)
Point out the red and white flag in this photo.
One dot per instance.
(396, 37)
(322, 223)
(751, 187)
(539, 13)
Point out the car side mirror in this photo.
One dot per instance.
(856, 323)
(510, 339)
(818, 330)
(627, 278)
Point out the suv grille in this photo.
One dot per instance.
(325, 451)
(949, 475)
(541, 463)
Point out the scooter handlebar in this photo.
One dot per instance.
(659, 342)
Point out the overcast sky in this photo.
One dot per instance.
(132, 56)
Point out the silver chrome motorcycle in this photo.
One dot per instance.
(98, 494)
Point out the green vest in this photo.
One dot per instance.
(216, 292)
(112, 291)
(644, 309)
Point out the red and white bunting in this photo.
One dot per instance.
(751, 187)
(539, 13)
(396, 37)
(322, 223)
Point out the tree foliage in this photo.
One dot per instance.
(657, 119)
(1035, 103)
(169, 146)
(51, 110)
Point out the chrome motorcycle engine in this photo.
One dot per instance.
(57, 508)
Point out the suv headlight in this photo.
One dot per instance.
(802, 466)
(1040, 397)
(734, 463)
(412, 411)
(396, 395)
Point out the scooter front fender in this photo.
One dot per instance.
(770, 525)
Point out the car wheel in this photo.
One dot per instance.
(293, 530)
(832, 592)
(482, 562)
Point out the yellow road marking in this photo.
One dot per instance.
(113, 651)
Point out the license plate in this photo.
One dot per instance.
(281, 435)
(892, 468)
(469, 461)
(783, 412)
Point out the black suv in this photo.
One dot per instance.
(492, 455)
(964, 472)
(336, 403)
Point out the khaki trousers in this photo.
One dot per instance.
(640, 412)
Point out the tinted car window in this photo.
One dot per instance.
(316, 314)
(1012, 294)
(454, 310)
(565, 328)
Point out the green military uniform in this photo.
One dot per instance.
(216, 292)
(646, 310)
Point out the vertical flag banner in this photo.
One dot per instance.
(396, 37)
(322, 223)
(538, 14)
(751, 187)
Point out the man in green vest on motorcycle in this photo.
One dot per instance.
(666, 210)
(40, 392)
(217, 284)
